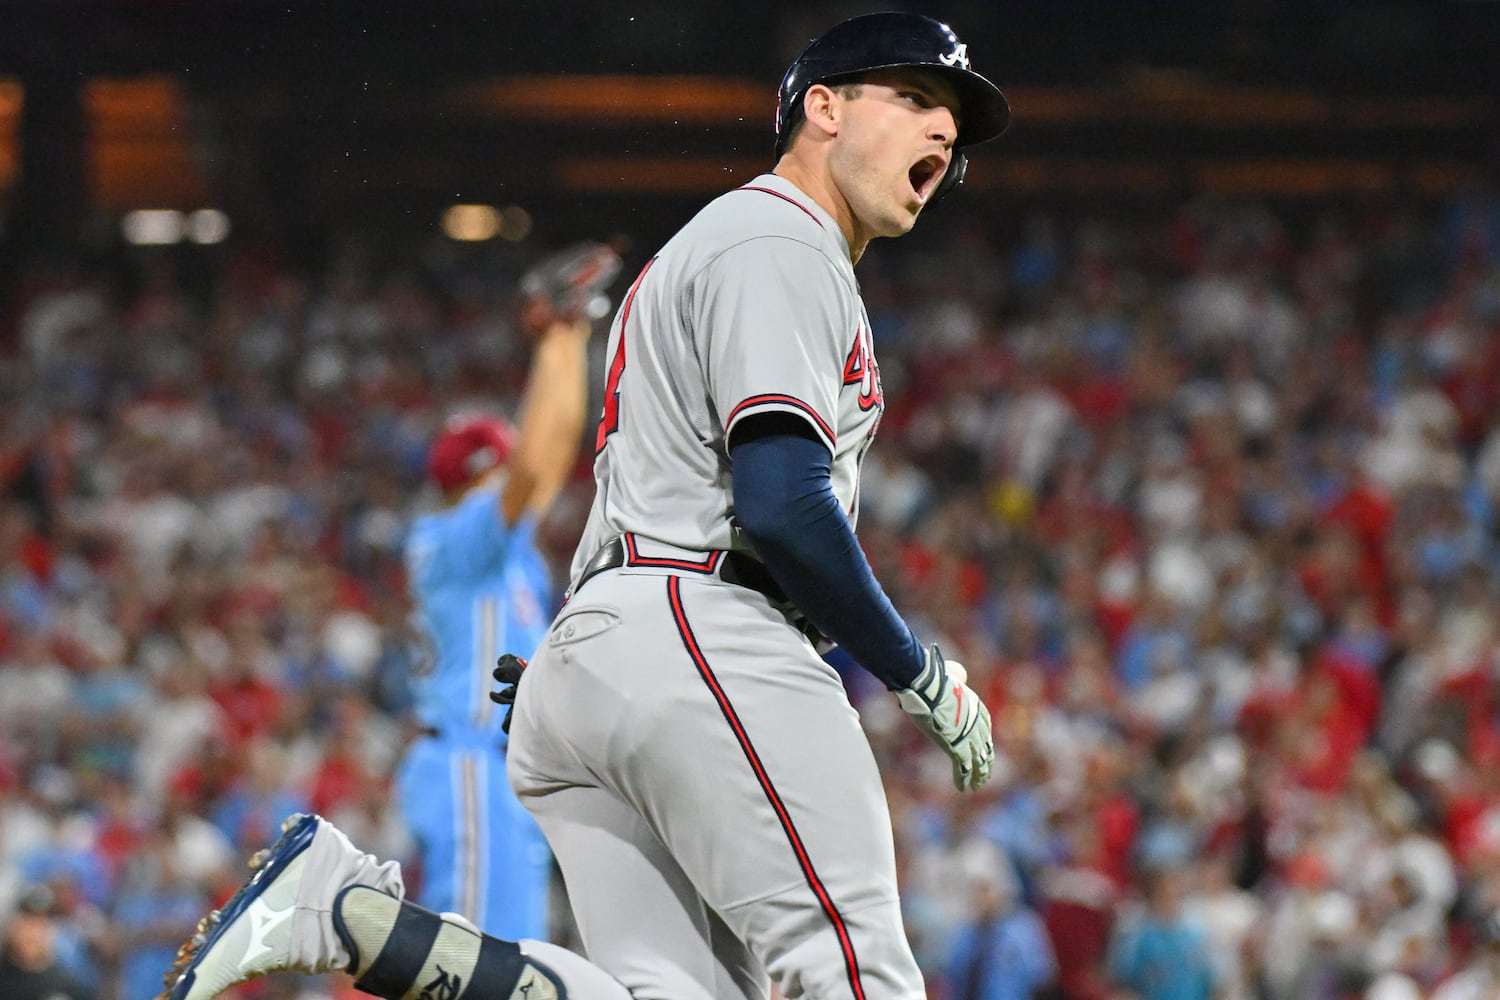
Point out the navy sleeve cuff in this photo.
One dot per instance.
(784, 502)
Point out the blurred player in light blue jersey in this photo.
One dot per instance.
(481, 589)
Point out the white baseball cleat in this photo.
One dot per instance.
(281, 919)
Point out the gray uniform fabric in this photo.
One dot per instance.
(699, 772)
(751, 307)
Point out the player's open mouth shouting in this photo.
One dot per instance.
(925, 175)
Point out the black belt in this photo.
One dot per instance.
(737, 568)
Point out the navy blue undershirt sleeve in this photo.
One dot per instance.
(784, 502)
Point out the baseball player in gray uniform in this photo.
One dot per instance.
(695, 764)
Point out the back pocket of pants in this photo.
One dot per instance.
(583, 624)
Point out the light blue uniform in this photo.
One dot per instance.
(481, 590)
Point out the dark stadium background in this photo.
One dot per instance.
(300, 118)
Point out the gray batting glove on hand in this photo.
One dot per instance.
(944, 707)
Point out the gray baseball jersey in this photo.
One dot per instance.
(703, 781)
(751, 308)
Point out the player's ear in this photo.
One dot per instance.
(822, 108)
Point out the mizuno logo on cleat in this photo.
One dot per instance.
(263, 920)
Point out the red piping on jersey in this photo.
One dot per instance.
(786, 198)
(846, 944)
(772, 397)
(609, 420)
(634, 558)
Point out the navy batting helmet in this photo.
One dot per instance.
(887, 41)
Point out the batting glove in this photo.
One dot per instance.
(944, 707)
(507, 674)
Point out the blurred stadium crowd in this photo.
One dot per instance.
(1208, 501)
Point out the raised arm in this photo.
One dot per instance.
(560, 297)
(551, 420)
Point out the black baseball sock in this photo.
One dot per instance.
(401, 951)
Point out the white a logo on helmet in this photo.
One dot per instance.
(958, 57)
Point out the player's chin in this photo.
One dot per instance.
(895, 218)
(892, 216)
(903, 220)
(912, 204)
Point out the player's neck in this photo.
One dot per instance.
(819, 187)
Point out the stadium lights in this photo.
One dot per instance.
(515, 223)
(208, 225)
(153, 226)
(471, 223)
(477, 223)
(166, 226)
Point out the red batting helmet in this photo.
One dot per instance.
(469, 445)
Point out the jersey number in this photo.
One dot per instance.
(609, 421)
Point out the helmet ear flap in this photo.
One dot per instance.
(952, 178)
